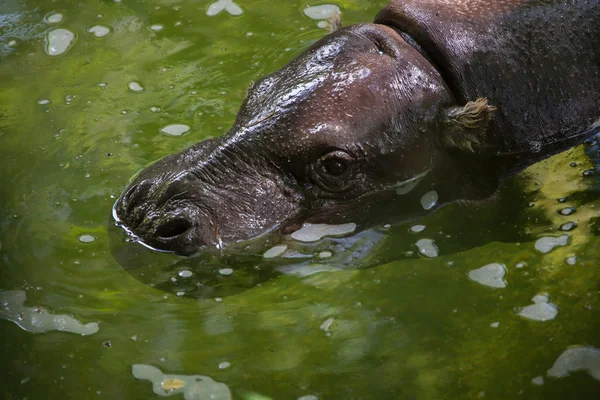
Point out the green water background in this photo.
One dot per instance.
(405, 327)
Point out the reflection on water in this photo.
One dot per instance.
(365, 316)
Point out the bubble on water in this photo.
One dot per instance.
(323, 11)
(37, 319)
(275, 251)
(135, 86)
(417, 228)
(520, 265)
(568, 226)
(325, 254)
(571, 260)
(99, 31)
(12, 43)
(102, 85)
(155, 109)
(427, 248)
(175, 130)
(308, 397)
(180, 294)
(540, 310)
(58, 41)
(227, 5)
(184, 273)
(224, 365)
(157, 27)
(577, 358)
(546, 244)
(226, 271)
(53, 18)
(538, 380)
(86, 238)
(315, 232)
(567, 211)
(491, 275)
(495, 324)
(43, 102)
(429, 200)
(191, 386)
(327, 324)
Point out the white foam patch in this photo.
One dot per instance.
(429, 200)
(58, 41)
(157, 27)
(427, 248)
(577, 359)
(491, 275)
(175, 130)
(275, 251)
(546, 244)
(315, 232)
(54, 18)
(36, 319)
(541, 310)
(417, 228)
(135, 86)
(193, 387)
(322, 11)
(99, 31)
(227, 5)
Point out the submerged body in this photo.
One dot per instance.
(433, 97)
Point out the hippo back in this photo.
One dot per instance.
(537, 61)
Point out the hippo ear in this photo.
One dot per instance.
(466, 125)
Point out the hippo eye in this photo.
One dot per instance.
(333, 172)
(334, 167)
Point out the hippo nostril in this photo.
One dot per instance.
(172, 228)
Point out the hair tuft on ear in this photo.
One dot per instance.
(466, 125)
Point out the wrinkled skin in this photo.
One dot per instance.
(373, 116)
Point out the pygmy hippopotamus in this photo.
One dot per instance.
(435, 96)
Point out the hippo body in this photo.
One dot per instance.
(444, 97)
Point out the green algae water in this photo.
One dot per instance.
(495, 300)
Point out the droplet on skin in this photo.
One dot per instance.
(99, 31)
(54, 18)
(491, 275)
(429, 200)
(58, 41)
(43, 102)
(184, 273)
(546, 244)
(275, 251)
(135, 86)
(157, 27)
(315, 232)
(427, 248)
(86, 238)
(417, 228)
(175, 130)
(226, 271)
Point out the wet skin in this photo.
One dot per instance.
(373, 116)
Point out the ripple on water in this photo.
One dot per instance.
(58, 41)
(541, 310)
(175, 130)
(191, 386)
(227, 5)
(427, 248)
(578, 358)
(315, 232)
(99, 31)
(37, 319)
(53, 18)
(491, 275)
(135, 86)
(546, 244)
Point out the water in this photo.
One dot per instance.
(364, 318)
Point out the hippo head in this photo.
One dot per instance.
(355, 123)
